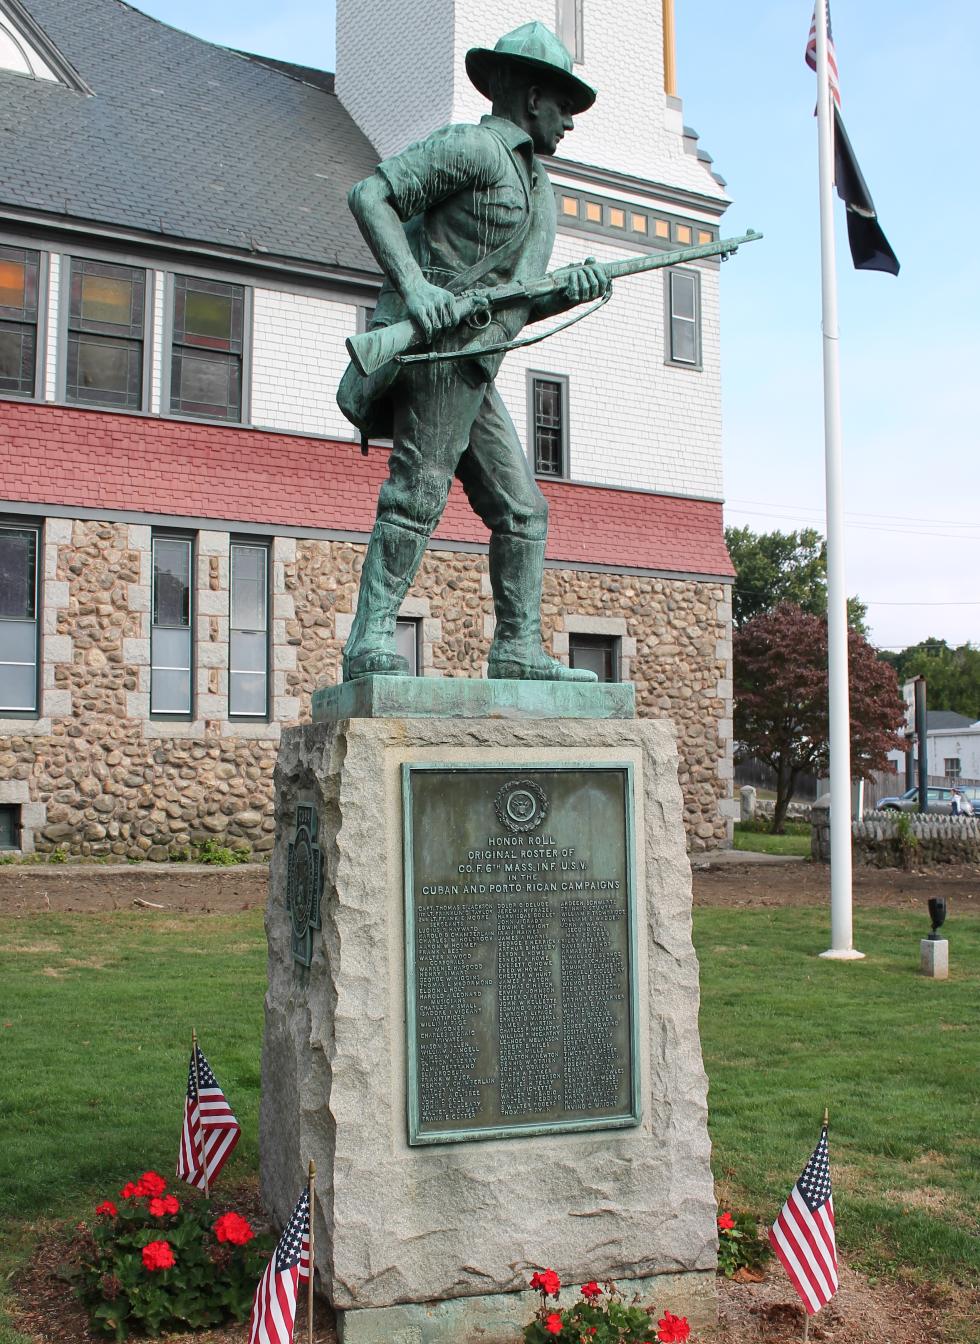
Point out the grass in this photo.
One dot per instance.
(795, 841)
(97, 1011)
(893, 1056)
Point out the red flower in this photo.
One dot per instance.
(553, 1324)
(547, 1282)
(159, 1207)
(590, 1291)
(726, 1222)
(108, 1208)
(234, 1228)
(673, 1329)
(130, 1191)
(158, 1255)
(152, 1184)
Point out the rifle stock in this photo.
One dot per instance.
(372, 350)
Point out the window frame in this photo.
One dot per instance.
(38, 322)
(15, 812)
(956, 762)
(264, 545)
(416, 623)
(613, 644)
(669, 318)
(168, 534)
(66, 330)
(170, 345)
(10, 524)
(534, 376)
(571, 14)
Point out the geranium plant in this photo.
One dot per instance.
(151, 1262)
(600, 1315)
(740, 1248)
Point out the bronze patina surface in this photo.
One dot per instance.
(520, 948)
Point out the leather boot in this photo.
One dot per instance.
(393, 556)
(516, 572)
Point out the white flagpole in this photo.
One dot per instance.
(841, 932)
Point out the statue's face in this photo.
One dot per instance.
(550, 117)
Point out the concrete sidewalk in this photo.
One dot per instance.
(728, 858)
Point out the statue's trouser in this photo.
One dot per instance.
(446, 426)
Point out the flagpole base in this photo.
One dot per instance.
(843, 954)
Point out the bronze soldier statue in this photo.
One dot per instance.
(470, 206)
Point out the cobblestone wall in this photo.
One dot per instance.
(896, 840)
(101, 780)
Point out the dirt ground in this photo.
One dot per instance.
(749, 1313)
(91, 888)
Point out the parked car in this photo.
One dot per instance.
(940, 800)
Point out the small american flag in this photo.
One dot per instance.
(811, 53)
(274, 1308)
(803, 1234)
(208, 1124)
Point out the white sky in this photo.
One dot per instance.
(908, 345)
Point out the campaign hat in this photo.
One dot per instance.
(535, 48)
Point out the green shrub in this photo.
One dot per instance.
(220, 855)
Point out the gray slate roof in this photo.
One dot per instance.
(184, 139)
(945, 721)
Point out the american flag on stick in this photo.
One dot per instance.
(811, 54)
(803, 1234)
(210, 1129)
(274, 1308)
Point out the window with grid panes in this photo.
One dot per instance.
(208, 348)
(18, 620)
(171, 646)
(105, 334)
(248, 661)
(19, 274)
(683, 318)
(548, 426)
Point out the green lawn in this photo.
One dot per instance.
(795, 841)
(94, 1038)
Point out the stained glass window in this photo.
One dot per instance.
(105, 334)
(208, 345)
(19, 270)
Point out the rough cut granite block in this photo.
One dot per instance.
(399, 1224)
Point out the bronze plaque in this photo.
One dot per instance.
(520, 950)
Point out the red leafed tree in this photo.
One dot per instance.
(782, 700)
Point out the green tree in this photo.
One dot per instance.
(952, 674)
(781, 700)
(775, 567)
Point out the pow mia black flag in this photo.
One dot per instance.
(870, 249)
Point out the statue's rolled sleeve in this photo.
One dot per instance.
(430, 170)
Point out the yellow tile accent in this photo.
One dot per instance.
(569, 205)
(593, 212)
(617, 218)
(638, 223)
(704, 237)
(683, 233)
(661, 228)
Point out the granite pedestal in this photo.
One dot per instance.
(421, 1240)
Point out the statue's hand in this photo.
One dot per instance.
(586, 282)
(430, 307)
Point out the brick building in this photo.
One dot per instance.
(184, 510)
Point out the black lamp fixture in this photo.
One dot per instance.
(937, 913)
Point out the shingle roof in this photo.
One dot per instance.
(182, 138)
(945, 721)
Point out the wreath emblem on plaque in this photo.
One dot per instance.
(521, 805)
(304, 884)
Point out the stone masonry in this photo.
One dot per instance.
(97, 776)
